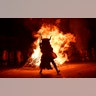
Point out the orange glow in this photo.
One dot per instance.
(59, 41)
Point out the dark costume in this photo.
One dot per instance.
(47, 56)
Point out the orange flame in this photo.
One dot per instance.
(60, 43)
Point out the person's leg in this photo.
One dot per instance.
(41, 64)
(55, 66)
(41, 71)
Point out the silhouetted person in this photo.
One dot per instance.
(5, 58)
(47, 57)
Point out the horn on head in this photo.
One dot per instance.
(41, 36)
(50, 37)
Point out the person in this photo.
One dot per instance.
(47, 56)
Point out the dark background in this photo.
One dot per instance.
(16, 33)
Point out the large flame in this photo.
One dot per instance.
(59, 41)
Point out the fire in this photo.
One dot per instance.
(60, 43)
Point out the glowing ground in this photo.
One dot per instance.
(74, 70)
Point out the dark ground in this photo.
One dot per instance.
(72, 70)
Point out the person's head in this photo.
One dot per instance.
(46, 41)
